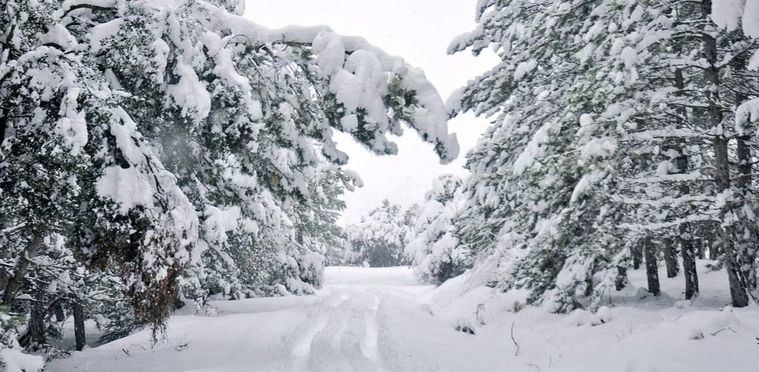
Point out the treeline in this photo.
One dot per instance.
(624, 131)
(158, 154)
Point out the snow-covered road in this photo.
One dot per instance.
(383, 320)
(363, 320)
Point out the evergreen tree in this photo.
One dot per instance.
(380, 238)
(434, 248)
(607, 121)
(146, 144)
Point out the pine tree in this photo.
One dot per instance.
(179, 141)
(434, 248)
(607, 121)
(533, 211)
(380, 238)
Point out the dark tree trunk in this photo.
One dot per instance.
(3, 280)
(747, 236)
(79, 326)
(37, 320)
(637, 255)
(16, 281)
(621, 279)
(721, 162)
(689, 268)
(3, 124)
(714, 250)
(652, 266)
(60, 316)
(684, 237)
(744, 180)
(670, 258)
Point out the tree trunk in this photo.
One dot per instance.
(747, 236)
(16, 281)
(689, 268)
(637, 255)
(721, 162)
(652, 266)
(684, 237)
(620, 281)
(714, 250)
(670, 258)
(37, 320)
(79, 326)
(3, 125)
(60, 316)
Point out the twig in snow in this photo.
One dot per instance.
(126, 352)
(516, 352)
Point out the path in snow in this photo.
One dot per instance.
(363, 320)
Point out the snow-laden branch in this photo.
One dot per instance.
(360, 74)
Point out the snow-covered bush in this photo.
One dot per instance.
(12, 358)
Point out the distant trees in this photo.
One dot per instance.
(381, 236)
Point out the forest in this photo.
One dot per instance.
(171, 162)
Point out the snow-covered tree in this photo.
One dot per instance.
(602, 104)
(381, 236)
(434, 249)
(531, 213)
(162, 140)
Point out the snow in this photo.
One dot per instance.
(16, 361)
(218, 222)
(330, 52)
(524, 68)
(190, 93)
(359, 81)
(102, 32)
(753, 64)
(383, 320)
(125, 186)
(599, 147)
(533, 150)
(747, 116)
(73, 125)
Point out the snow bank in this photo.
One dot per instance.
(16, 361)
(631, 334)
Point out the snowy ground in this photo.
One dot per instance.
(382, 320)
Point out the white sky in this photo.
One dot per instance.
(419, 31)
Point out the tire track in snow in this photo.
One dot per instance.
(315, 324)
(348, 341)
(371, 332)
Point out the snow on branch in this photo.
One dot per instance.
(361, 76)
